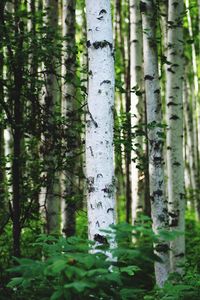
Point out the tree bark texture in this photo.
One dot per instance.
(174, 113)
(69, 181)
(155, 137)
(99, 127)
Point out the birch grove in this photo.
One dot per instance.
(99, 153)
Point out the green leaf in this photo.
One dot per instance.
(130, 293)
(79, 286)
(57, 295)
(130, 270)
(15, 282)
(58, 266)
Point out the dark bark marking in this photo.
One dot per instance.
(174, 117)
(91, 151)
(143, 7)
(88, 44)
(99, 176)
(171, 103)
(158, 193)
(102, 44)
(162, 248)
(103, 11)
(176, 164)
(97, 224)
(170, 70)
(110, 209)
(90, 184)
(106, 82)
(157, 91)
(148, 77)
(175, 4)
(100, 239)
(99, 205)
(180, 255)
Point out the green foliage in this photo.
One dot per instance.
(75, 268)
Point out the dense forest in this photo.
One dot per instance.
(99, 149)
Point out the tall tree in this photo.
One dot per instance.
(137, 105)
(99, 127)
(51, 100)
(174, 114)
(68, 111)
(16, 99)
(155, 137)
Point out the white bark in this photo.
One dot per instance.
(194, 59)
(99, 128)
(174, 112)
(196, 113)
(155, 138)
(190, 141)
(137, 104)
(198, 2)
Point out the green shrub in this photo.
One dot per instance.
(69, 269)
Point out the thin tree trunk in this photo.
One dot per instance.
(196, 117)
(99, 128)
(3, 203)
(17, 132)
(155, 138)
(119, 99)
(174, 112)
(137, 107)
(68, 110)
(51, 100)
(190, 158)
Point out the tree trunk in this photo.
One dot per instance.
(155, 138)
(174, 112)
(69, 105)
(51, 151)
(3, 201)
(137, 107)
(190, 154)
(99, 127)
(17, 132)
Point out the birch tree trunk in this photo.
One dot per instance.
(190, 159)
(196, 117)
(119, 108)
(155, 139)
(137, 105)
(99, 128)
(51, 99)
(198, 3)
(174, 112)
(68, 111)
